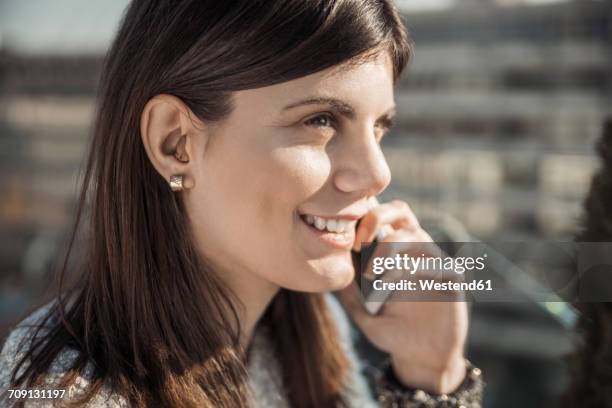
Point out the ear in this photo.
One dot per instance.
(168, 129)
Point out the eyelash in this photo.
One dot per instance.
(332, 118)
(386, 122)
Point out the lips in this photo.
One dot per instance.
(335, 230)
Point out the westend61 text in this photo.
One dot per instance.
(432, 284)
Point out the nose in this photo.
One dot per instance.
(361, 166)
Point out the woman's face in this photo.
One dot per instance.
(291, 155)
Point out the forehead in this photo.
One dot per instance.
(365, 84)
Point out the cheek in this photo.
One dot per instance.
(289, 177)
(248, 210)
(259, 183)
(300, 175)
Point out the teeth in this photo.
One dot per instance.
(319, 223)
(332, 225)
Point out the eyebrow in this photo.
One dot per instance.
(337, 104)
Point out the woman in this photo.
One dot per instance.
(236, 146)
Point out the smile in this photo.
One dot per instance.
(337, 232)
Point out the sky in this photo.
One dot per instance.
(73, 26)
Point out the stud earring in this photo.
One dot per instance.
(176, 183)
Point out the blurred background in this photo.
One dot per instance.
(497, 117)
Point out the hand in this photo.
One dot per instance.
(425, 339)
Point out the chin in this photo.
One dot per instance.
(331, 276)
(316, 275)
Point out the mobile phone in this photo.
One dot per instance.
(367, 292)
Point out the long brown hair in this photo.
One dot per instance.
(158, 326)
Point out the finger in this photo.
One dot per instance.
(396, 213)
(430, 257)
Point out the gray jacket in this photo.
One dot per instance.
(265, 379)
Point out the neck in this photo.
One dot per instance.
(254, 295)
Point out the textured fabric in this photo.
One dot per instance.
(263, 367)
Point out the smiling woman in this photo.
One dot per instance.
(236, 146)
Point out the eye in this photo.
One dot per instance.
(385, 124)
(322, 120)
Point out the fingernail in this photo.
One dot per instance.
(381, 234)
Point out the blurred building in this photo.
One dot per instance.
(497, 117)
(494, 89)
(501, 99)
(499, 113)
(46, 108)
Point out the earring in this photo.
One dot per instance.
(176, 183)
